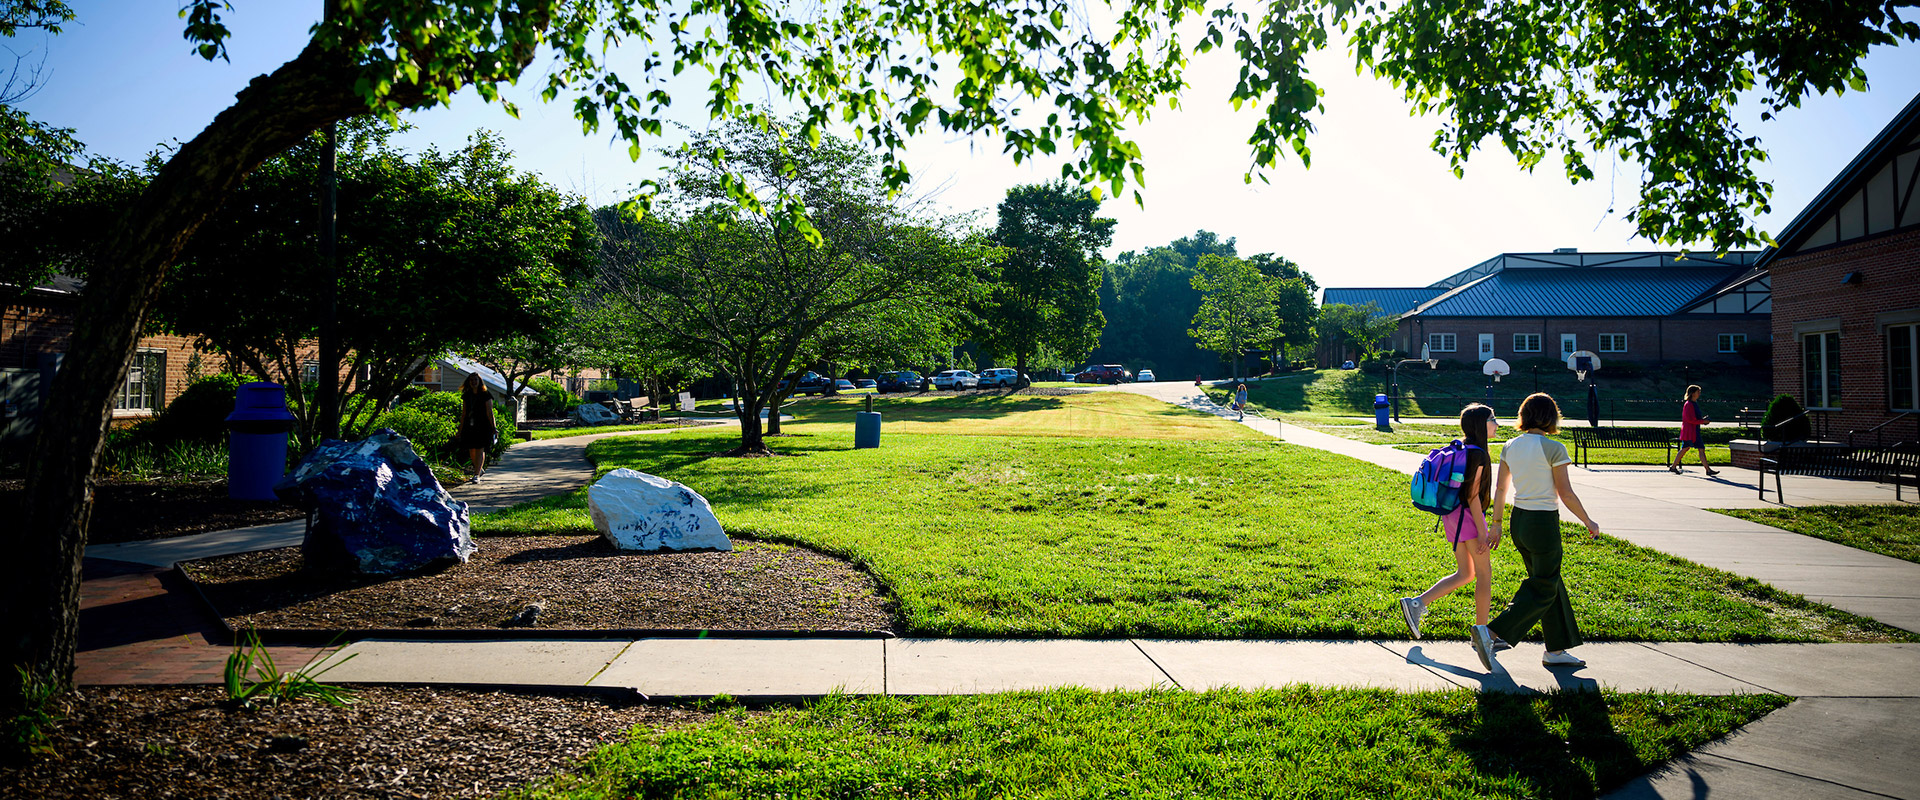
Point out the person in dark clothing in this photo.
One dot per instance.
(477, 433)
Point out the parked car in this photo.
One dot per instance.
(1000, 376)
(808, 383)
(1068, 377)
(1145, 376)
(865, 383)
(1103, 373)
(843, 385)
(904, 380)
(955, 379)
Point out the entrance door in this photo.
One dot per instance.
(1569, 344)
(1486, 346)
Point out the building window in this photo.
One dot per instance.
(146, 382)
(310, 372)
(1613, 343)
(1820, 369)
(1442, 342)
(1732, 342)
(1903, 368)
(1526, 343)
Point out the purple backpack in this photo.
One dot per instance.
(1436, 484)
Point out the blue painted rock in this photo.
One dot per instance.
(637, 511)
(375, 508)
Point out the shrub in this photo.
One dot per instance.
(552, 401)
(446, 404)
(199, 414)
(432, 421)
(1786, 421)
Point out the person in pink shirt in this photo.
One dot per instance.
(1690, 421)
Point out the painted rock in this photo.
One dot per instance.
(637, 511)
(375, 508)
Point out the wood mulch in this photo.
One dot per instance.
(131, 511)
(579, 582)
(184, 742)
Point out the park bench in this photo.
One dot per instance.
(1585, 440)
(639, 409)
(1748, 421)
(1898, 465)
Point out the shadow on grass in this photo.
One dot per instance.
(1515, 737)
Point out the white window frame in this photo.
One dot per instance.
(150, 379)
(1486, 346)
(1569, 344)
(1604, 339)
(1532, 338)
(1443, 342)
(1912, 332)
(1732, 342)
(1828, 397)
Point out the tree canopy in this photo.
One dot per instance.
(1047, 296)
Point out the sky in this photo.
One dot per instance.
(1377, 207)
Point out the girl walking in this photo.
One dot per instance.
(1240, 400)
(1534, 469)
(1466, 528)
(476, 432)
(1690, 421)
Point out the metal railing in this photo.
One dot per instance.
(1879, 431)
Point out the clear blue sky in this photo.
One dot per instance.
(1376, 209)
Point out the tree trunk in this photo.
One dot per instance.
(44, 546)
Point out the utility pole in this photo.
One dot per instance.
(327, 395)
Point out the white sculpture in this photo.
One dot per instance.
(637, 511)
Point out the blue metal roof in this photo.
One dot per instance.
(1392, 301)
(1576, 292)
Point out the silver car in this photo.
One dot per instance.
(1000, 376)
(956, 379)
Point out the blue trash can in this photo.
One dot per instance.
(866, 429)
(257, 441)
(1380, 409)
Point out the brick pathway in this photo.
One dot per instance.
(143, 625)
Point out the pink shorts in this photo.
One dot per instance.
(1462, 526)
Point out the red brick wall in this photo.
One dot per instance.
(30, 329)
(1808, 287)
(1649, 341)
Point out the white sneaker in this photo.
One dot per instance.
(1411, 609)
(1561, 659)
(1483, 646)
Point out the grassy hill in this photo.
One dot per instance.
(1652, 394)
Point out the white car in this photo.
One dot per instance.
(956, 379)
(1145, 376)
(1000, 376)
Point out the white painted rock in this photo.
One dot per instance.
(637, 511)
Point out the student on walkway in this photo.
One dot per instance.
(1534, 468)
(1690, 421)
(1466, 528)
(1240, 400)
(476, 432)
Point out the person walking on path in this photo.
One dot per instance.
(476, 434)
(1466, 528)
(1534, 468)
(1690, 421)
(1240, 400)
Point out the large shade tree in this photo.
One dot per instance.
(1047, 297)
(1584, 76)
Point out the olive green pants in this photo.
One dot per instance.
(1542, 597)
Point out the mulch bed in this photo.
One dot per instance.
(155, 742)
(132, 511)
(580, 583)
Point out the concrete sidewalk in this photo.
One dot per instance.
(787, 669)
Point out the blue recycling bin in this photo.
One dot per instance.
(1380, 409)
(257, 441)
(866, 429)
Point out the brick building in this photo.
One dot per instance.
(34, 330)
(1646, 308)
(1846, 278)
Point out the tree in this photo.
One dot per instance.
(1294, 313)
(1236, 307)
(1149, 301)
(1362, 327)
(752, 290)
(436, 251)
(879, 66)
(1048, 293)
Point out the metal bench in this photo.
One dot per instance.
(1748, 421)
(639, 409)
(1897, 465)
(1585, 440)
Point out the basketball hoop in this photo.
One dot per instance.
(1496, 368)
(1582, 362)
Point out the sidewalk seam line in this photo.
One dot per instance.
(1156, 664)
(1699, 754)
(1755, 684)
(603, 667)
(885, 690)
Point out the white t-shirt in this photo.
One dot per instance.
(1530, 459)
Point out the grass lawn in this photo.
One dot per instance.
(1091, 415)
(1294, 742)
(1887, 530)
(1333, 391)
(1201, 531)
(562, 433)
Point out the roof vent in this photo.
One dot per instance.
(1559, 250)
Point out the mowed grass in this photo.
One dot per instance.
(1221, 537)
(562, 433)
(1718, 456)
(1091, 415)
(1887, 530)
(1294, 742)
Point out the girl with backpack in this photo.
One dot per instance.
(1466, 528)
(1240, 400)
(1690, 421)
(1534, 469)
